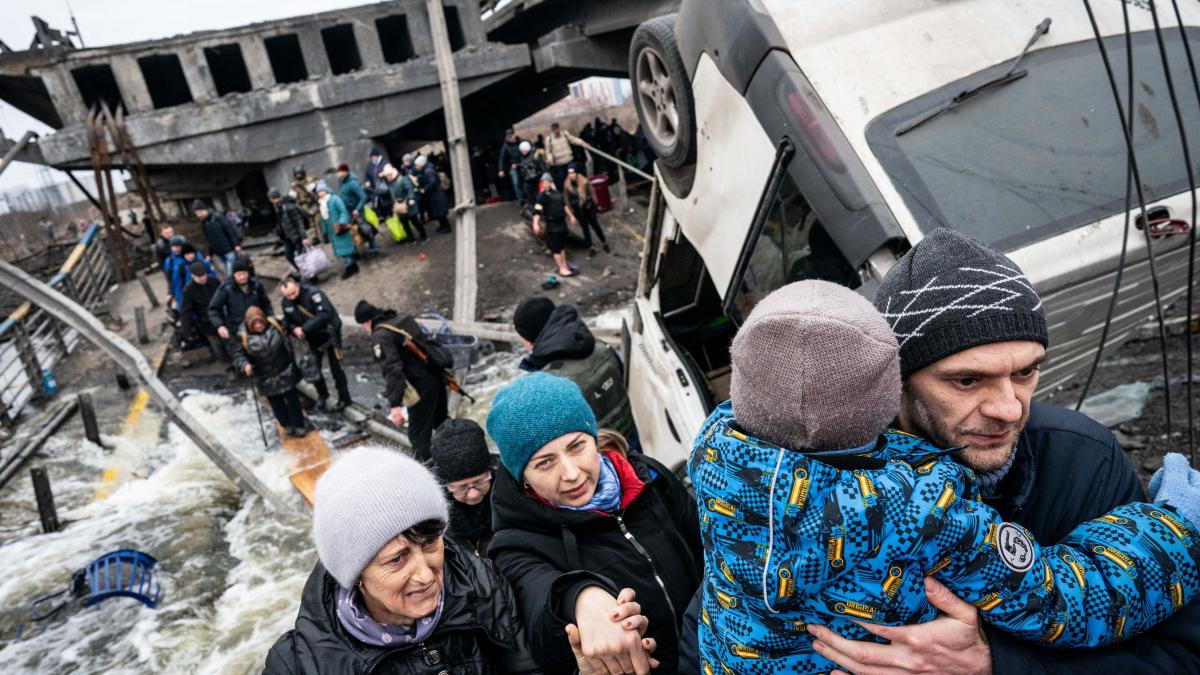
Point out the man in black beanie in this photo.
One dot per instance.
(462, 464)
(973, 334)
(413, 381)
(561, 344)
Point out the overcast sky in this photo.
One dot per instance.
(106, 22)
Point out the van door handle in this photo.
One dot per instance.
(1161, 224)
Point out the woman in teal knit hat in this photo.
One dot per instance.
(579, 531)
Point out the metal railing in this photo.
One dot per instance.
(622, 192)
(33, 340)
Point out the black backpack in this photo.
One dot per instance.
(440, 357)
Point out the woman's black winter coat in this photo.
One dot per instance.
(479, 632)
(550, 555)
(275, 369)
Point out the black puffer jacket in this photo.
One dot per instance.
(550, 555)
(479, 632)
(228, 307)
(275, 369)
(292, 221)
(222, 236)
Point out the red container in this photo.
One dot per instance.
(603, 197)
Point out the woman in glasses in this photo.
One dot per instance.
(462, 464)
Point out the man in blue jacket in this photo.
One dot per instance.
(969, 380)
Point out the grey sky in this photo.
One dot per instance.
(106, 22)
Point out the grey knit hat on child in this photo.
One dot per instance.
(815, 367)
(368, 497)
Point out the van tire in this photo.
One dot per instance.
(662, 93)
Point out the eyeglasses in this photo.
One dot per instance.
(478, 485)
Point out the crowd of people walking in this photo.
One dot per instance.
(863, 482)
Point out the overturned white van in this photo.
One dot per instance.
(820, 139)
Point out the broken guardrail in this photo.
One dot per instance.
(38, 340)
(129, 359)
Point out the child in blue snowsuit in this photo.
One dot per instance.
(812, 513)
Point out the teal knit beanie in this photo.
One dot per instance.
(531, 412)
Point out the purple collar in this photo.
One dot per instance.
(353, 615)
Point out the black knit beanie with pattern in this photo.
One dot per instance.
(950, 293)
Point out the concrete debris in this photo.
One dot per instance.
(1119, 404)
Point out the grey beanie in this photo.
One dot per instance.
(368, 497)
(950, 293)
(816, 368)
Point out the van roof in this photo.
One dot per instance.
(868, 56)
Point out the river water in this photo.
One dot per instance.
(231, 570)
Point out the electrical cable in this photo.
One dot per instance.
(1112, 303)
(1187, 49)
(1127, 132)
(1187, 159)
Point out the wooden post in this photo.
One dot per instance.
(141, 277)
(45, 500)
(139, 316)
(87, 412)
(33, 369)
(466, 285)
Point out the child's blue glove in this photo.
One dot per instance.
(1178, 484)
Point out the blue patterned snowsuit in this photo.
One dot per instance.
(790, 540)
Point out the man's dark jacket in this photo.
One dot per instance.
(566, 338)
(293, 221)
(162, 251)
(222, 236)
(510, 156)
(193, 311)
(550, 555)
(479, 633)
(229, 304)
(1069, 469)
(400, 365)
(314, 312)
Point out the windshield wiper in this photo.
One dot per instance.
(967, 94)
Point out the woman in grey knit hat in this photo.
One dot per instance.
(391, 594)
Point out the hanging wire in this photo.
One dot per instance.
(1187, 49)
(1127, 132)
(1112, 303)
(1187, 159)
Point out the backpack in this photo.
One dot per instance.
(436, 356)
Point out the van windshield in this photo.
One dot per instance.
(1045, 153)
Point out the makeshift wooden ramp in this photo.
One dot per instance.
(310, 459)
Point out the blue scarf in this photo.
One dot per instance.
(608, 490)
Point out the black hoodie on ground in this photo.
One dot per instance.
(550, 555)
(479, 632)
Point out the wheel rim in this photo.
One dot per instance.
(656, 98)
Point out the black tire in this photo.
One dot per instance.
(662, 93)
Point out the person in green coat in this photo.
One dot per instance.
(335, 218)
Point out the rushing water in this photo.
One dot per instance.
(231, 570)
